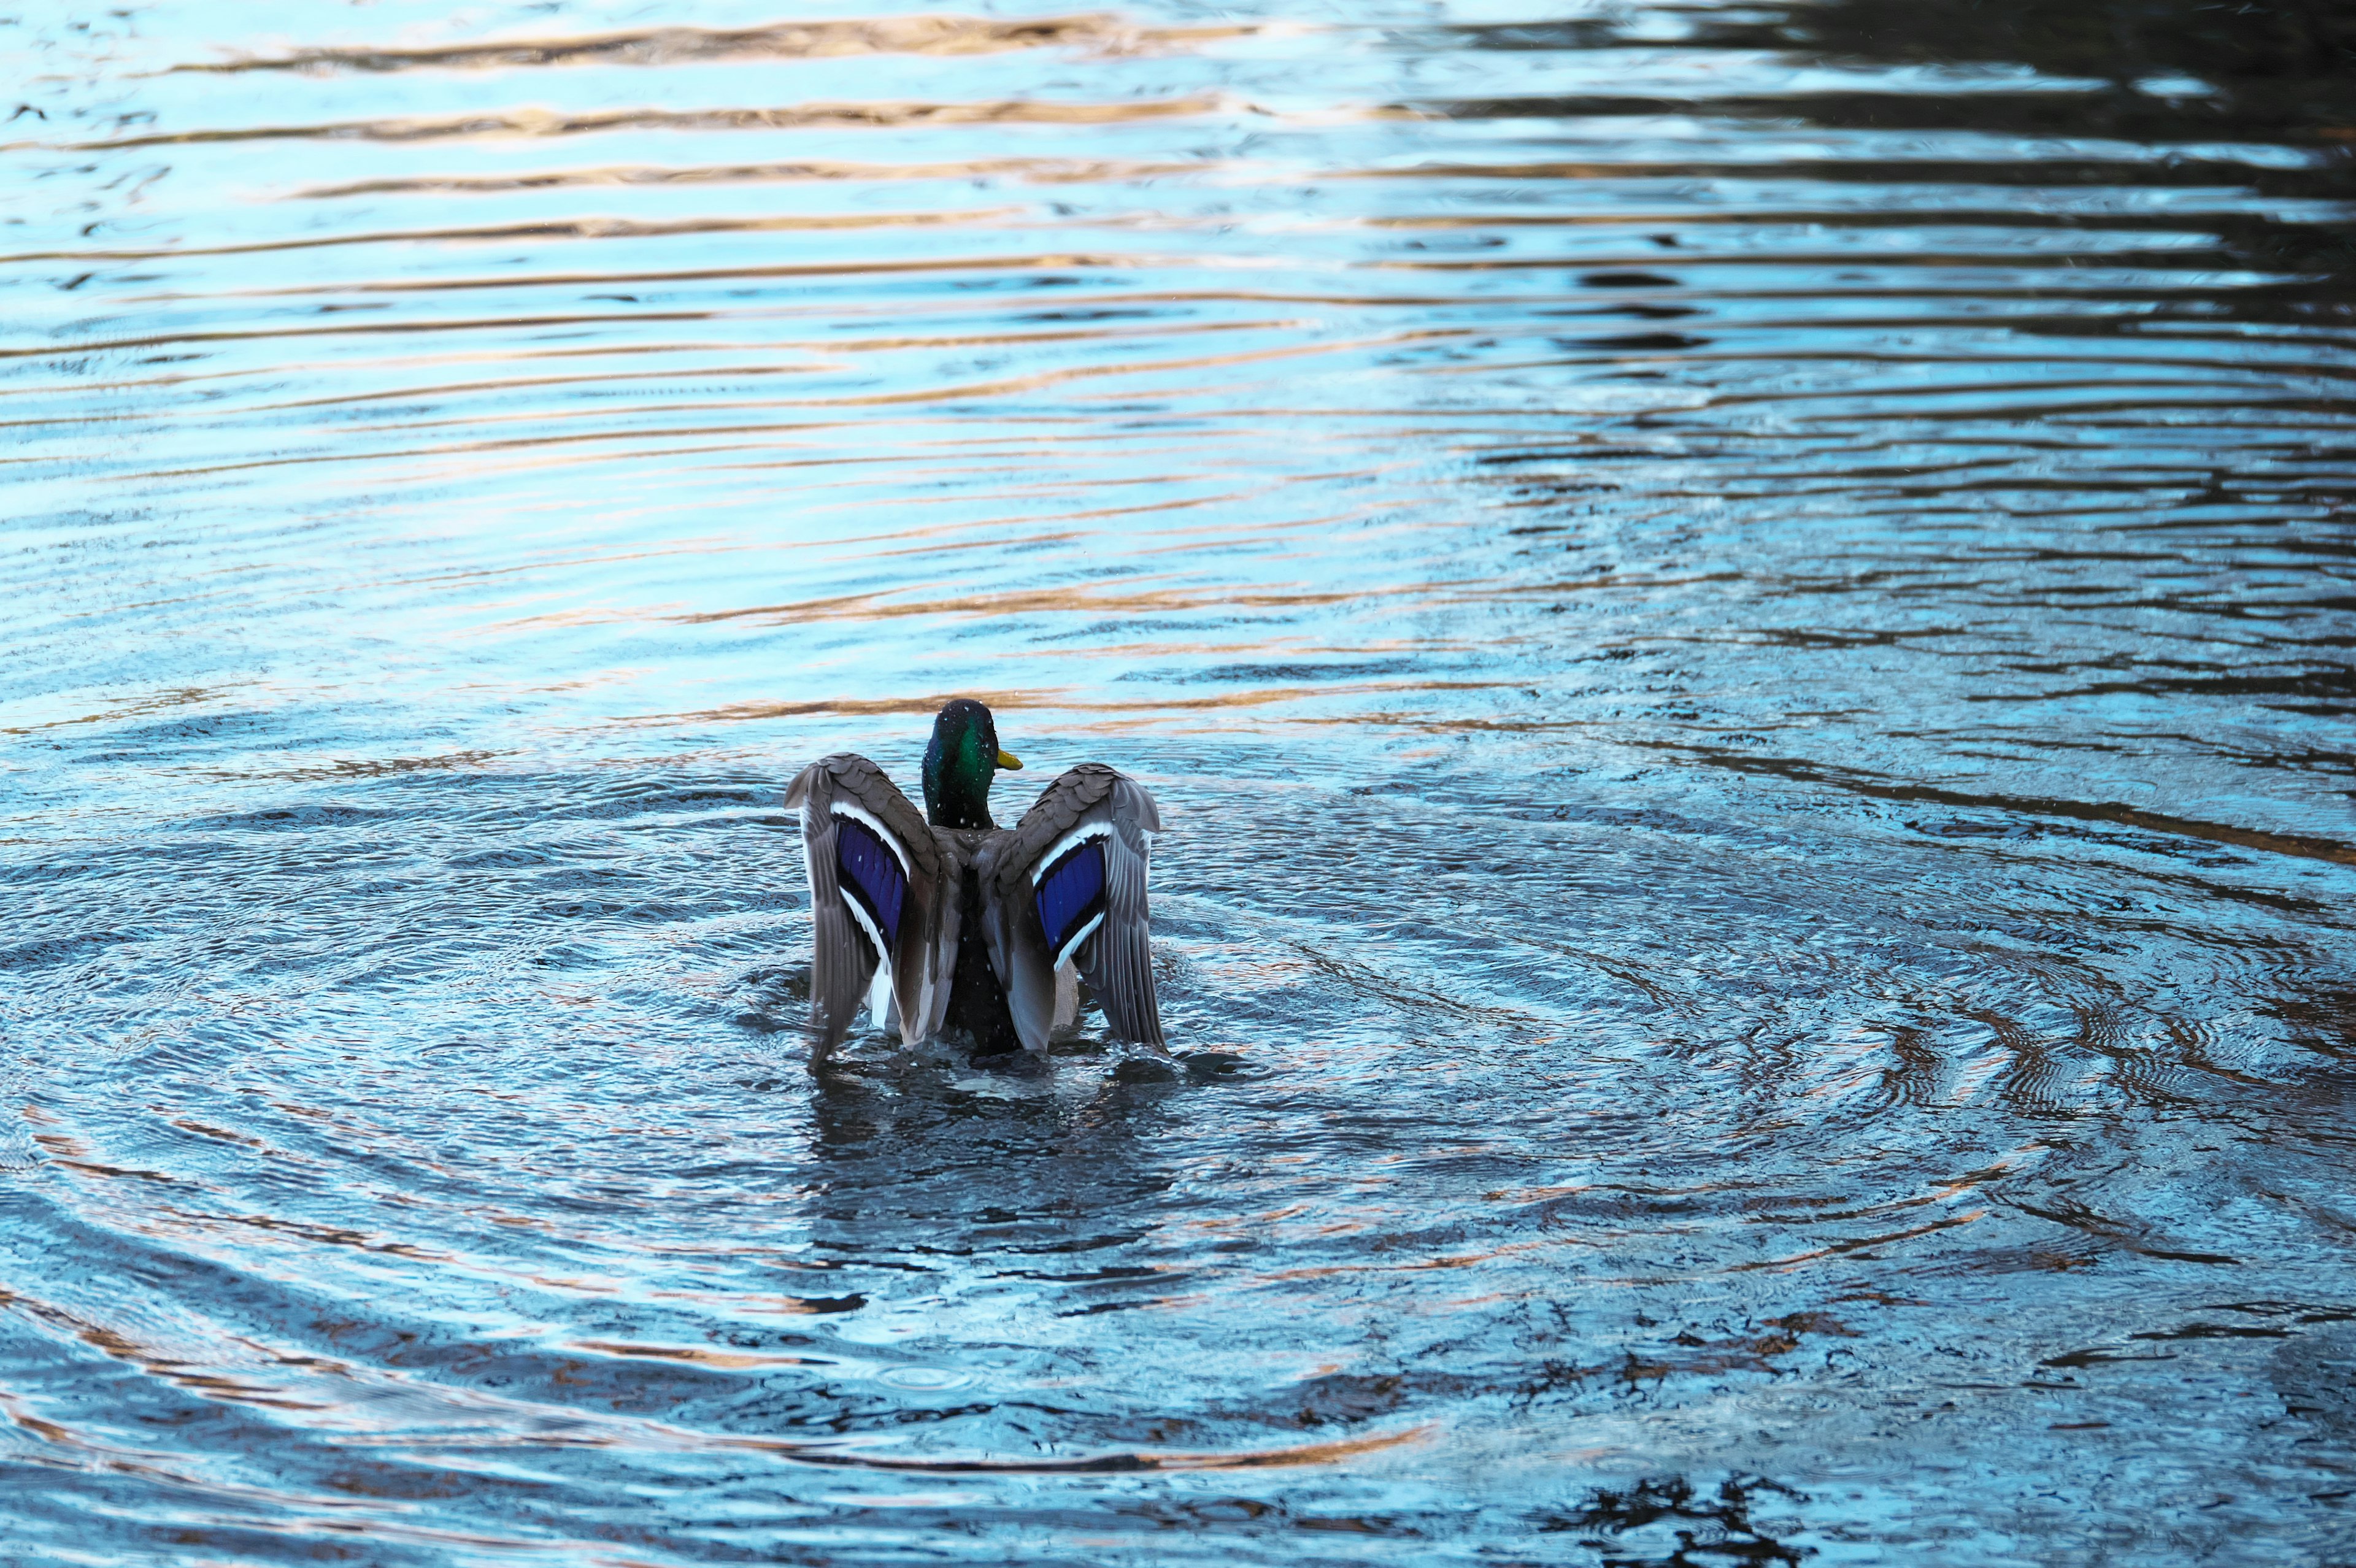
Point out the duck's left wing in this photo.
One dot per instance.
(1066, 885)
(880, 879)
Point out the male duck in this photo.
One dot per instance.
(959, 925)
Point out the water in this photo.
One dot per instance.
(1741, 615)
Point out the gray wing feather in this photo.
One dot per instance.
(1118, 961)
(843, 959)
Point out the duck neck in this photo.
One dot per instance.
(957, 781)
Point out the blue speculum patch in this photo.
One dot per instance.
(870, 873)
(1071, 893)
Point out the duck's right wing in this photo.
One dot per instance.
(1066, 886)
(882, 894)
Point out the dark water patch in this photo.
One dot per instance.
(1718, 1528)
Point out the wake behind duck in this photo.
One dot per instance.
(950, 925)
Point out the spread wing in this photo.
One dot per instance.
(881, 883)
(1066, 886)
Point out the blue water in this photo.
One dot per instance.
(1741, 616)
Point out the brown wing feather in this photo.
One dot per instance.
(843, 960)
(1118, 960)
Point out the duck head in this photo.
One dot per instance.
(959, 763)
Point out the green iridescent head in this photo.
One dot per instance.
(959, 763)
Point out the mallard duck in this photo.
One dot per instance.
(946, 924)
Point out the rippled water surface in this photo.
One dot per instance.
(1742, 615)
